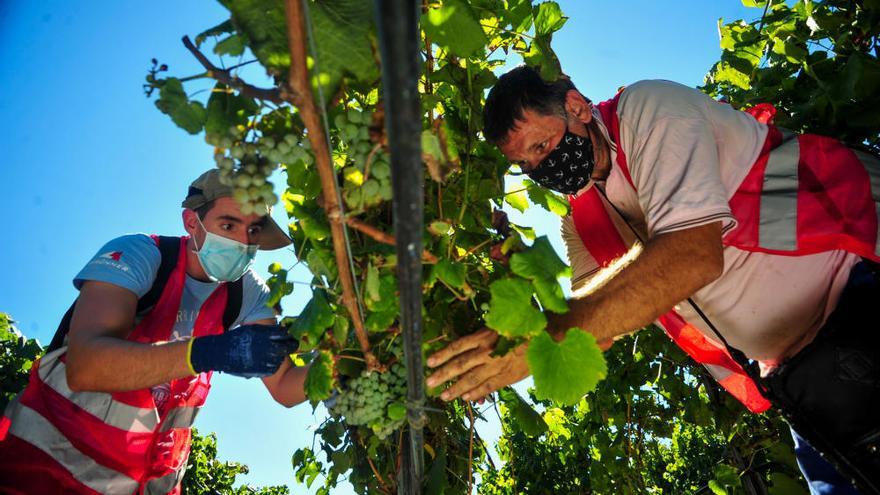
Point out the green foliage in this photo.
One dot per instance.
(454, 25)
(207, 475)
(17, 354)
(657, 424)
(511, 312)
(814, 60)
(173, 101)
(565, 371)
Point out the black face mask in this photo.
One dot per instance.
(568, 167)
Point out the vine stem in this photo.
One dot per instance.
(225, 76)
(369, 160)
(383, 237)
(378, 476)
(299, 93)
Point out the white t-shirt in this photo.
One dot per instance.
(687, 154)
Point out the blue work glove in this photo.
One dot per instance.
(248, 351)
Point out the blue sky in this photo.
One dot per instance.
(86, 157)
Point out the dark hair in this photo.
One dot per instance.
(203, 210)
(521, 89)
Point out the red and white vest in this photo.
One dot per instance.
(804, 194)
(54, 440)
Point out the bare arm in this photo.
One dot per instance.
(670, 269)
(287, 385)
(99, 358)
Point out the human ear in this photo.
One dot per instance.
(578, 107)
(190, 221)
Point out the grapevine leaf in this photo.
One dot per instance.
(341, 460)
(566, 370)
(316, 317)
(451, 273)
(188, 115)
(232, 45)
(227, 109)
(340, 330)
(454, 25)
(549, 200)
(518, 200)
(5, 327)
(511, 312)
(342, 30)
(725, 72)
(264, 27)
(792, 52)
(373, 282)
(321, 263)
(548, 18)
(525, 418)
(542, 57)
(319, 379)
(437, 482)
(542, 265)
(388, 299)
(717, 488)
(538, 261)
(380, 321)
(518, 15)
(784, 485)
(550, 295)
(222, 28)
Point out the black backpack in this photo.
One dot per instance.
(169, 249)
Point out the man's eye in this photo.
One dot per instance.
(255, 230)
(226, 226)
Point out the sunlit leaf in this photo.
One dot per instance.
(565, 371)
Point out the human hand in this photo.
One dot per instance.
(247, 351)
(476, 373)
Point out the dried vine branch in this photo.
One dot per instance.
(226, 77)
(300, 95)
(383, 237)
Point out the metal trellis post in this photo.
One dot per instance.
(398, 29)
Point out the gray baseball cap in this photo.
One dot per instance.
(208, 187)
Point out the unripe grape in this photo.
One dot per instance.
(243, 181)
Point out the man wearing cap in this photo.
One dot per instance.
(108, 409)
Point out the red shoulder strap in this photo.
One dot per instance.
(608, 111)
(595, 227)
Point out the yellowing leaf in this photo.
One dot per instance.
(319, 379)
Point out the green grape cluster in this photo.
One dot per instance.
(249, 179)
(363, 187)
(285, 150)
(374, 400)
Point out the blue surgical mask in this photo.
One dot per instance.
(225, 260)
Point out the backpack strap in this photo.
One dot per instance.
(169, 250)
(234, 294)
